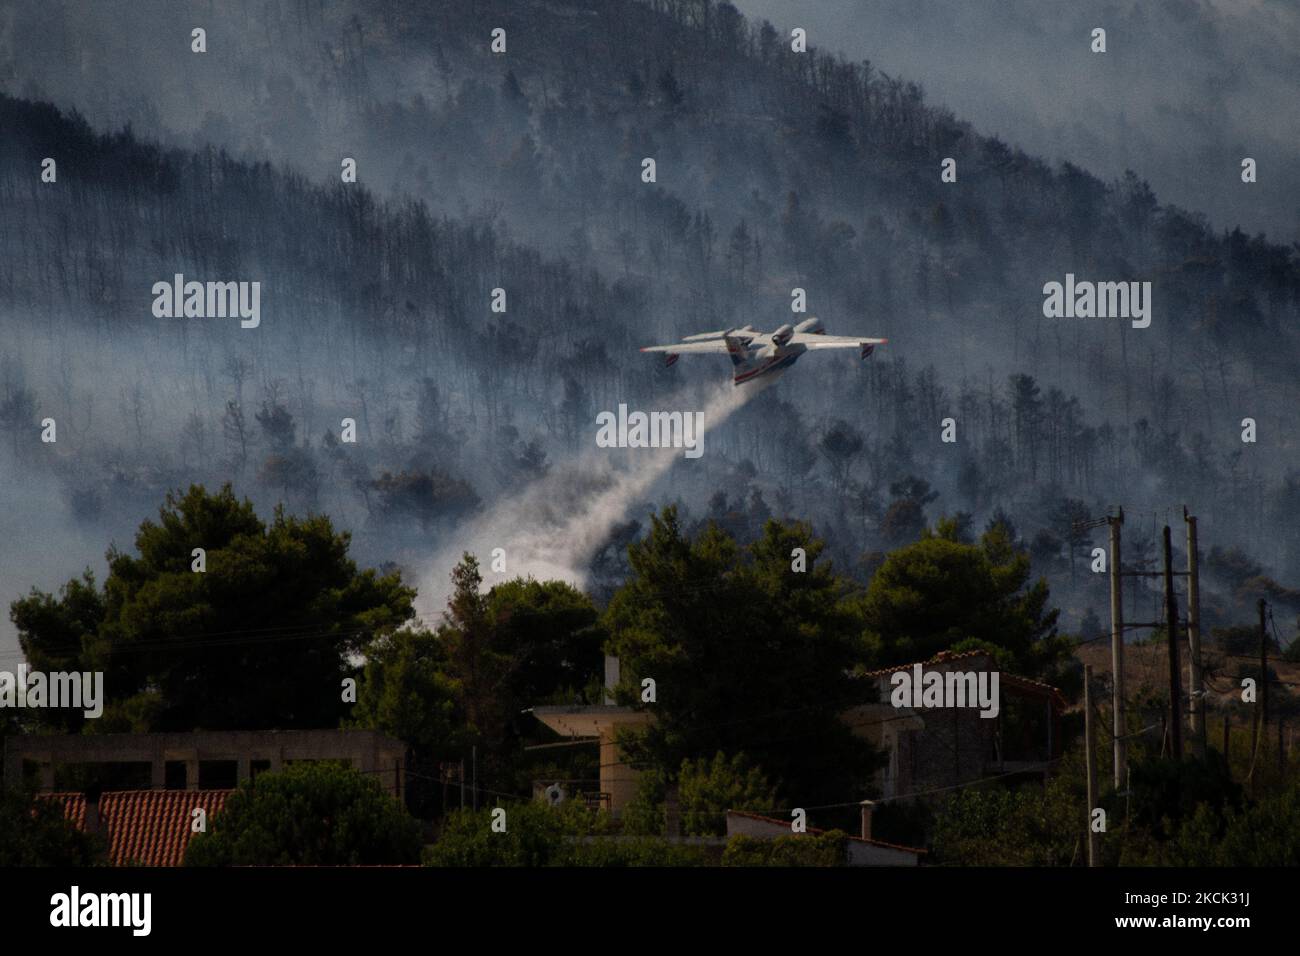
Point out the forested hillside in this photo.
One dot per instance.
(776, 170)
(1184, 91)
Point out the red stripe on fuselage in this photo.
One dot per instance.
(776, 359)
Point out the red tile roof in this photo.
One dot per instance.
(946, 657)
(145, 827)
(74, 806)
(943, 657)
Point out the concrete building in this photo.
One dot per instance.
(925, 748)
(246, 752)
(618, 781)
(932, 748)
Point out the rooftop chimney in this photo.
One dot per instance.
(868, 808)
(611, 677)
(92, 808)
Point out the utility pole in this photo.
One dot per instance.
(1263, 677)
(1117, 650)
(1175, 679)
(474, 759)
(672, 814)
(1195, 683)
(1090, 756)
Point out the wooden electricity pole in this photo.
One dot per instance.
(1090, 757)
(1195, 682)
(1263, 677)
(1175, 679)
(1117, 650)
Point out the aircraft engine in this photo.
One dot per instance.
(782, 335)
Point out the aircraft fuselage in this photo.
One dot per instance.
(770, 361)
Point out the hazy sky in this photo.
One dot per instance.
(1185, 90)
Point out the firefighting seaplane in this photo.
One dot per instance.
(764, 354)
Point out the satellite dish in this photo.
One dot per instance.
(555, 794)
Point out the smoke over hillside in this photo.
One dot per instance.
(1185, 90)
(554, 527)
(779, 174)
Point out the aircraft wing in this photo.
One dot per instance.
(745, 332)
(716, 346)
(815, 340)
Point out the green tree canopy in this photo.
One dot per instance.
(522, 643)
(493, 656)
(311, 814)
(1002, 826)
(822, 849)
(551, 632)
(57, 634)
(405, 692)
(940, 593)
(36, 833)
(539, 835)
(261, 638)
(475, 661)
(1266, 833)
(747, 654)
(706, 790)
(535, 835)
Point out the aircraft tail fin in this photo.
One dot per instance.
(743, 359)
(738, 350)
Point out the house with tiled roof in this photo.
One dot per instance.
(143, 827)
(932, 749)
(180, 773)
(926, 749)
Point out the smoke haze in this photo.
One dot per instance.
(554, 527)
(475, 429)
(1185, 90)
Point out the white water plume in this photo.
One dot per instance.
(551, 530)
